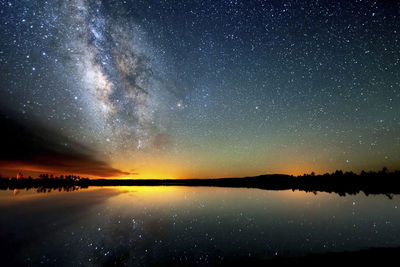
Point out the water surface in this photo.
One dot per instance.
(175, 224)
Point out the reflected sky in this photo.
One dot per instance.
(202, 225)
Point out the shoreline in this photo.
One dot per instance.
(375, 183)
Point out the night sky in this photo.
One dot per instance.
(174, 89)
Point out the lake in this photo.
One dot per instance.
(157, 225)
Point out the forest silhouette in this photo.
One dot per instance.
(342, 183)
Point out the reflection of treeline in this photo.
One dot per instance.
(381, 182)
(54, 188)
(348, 182)
(71, 188)
(342, 183)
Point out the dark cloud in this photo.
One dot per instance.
(30, 143)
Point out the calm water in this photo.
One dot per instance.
(156, 225)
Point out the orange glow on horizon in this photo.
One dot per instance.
(11, 169)
(162, 170)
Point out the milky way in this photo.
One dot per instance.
(121, 84)
(110, 91)
(205, 88)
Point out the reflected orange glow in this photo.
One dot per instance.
(150, 194)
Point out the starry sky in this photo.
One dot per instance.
(196, 89)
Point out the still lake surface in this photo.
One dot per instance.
(141, 225)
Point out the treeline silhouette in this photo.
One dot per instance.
(342, 183)
(61, 177)
(45, 183)
(381, 182)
